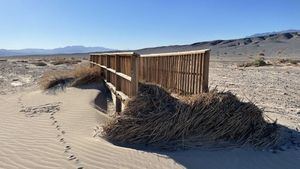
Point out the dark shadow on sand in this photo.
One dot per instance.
(284, 157)
(101, 101)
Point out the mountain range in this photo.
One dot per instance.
(271, 44)
(63, 50)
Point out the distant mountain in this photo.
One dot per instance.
(283, 44)
(273, 33)
(64, 50)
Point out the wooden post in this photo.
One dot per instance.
(205, 71)
(134, 74)
(118, 84)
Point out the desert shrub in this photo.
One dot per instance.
(85, 75)
(257, 62)
(261, 54)
(39, 63)
(81, 75)
(288, 61)
(3, 60)
(211, 119)
(65, 61)
(22, 61)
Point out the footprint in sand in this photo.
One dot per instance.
(62, 140)
(72, 157)
(33, 111)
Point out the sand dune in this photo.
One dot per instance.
(63, 138)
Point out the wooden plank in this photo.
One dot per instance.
(201, 72)
(194, 73)
(206, 71)
(175, 53)
(115, 53)
(198, 73)
(134, 75)
(118, 83)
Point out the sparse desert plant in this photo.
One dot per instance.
(288, 61)
(39, 63)
(3, 60)
(85, 75)
(211, 119)
(81, 75)
(257, 62)
(22, 61)
(54, 78)
(261, 54)
(61, 61)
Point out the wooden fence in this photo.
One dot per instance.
(181, 72)
(120, 73)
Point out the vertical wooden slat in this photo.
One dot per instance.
(134, 74)
(194, 73)
(206, 71)
(118, 84)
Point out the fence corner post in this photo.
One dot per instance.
(134, 74)
(206, 71)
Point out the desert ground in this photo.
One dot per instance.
(60, 130)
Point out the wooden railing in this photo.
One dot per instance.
(120, 73)
(181, 72)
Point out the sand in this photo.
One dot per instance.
(64, 138)
(39, 130)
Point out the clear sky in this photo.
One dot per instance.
(131, 24)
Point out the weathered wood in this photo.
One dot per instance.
(206, 71)
(134, 74)
(181, 72)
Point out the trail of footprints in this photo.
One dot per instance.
(60, 135)
(67, 148)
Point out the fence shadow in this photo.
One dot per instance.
(103, 98)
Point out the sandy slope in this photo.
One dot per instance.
(36, 142)
(65, 140)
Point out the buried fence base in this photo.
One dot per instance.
(118, 105)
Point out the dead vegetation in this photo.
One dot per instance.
(60, 61)
(262, 62)
(288, 61)
(256, 63)
(39, 63)
(79, 76)
(211, 119)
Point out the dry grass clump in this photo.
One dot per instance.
(210, 119)
(85, 75)
(39, 63)
(54, 78)
(288, 61)
(60, 61)
(81, 75)
(257, 63)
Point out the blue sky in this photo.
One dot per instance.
(131, 24)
